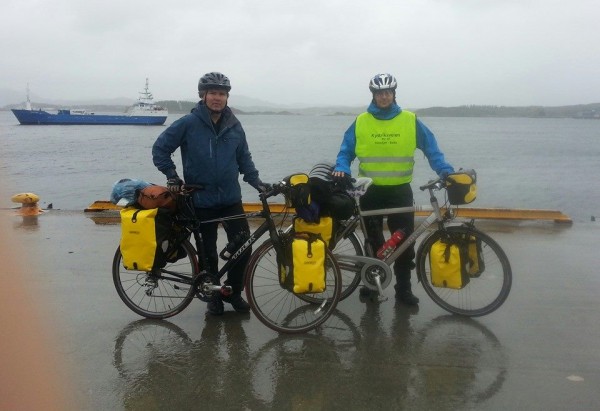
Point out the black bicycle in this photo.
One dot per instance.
(166, 291)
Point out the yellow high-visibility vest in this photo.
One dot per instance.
(386, 148)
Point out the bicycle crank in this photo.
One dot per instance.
(376, 275)
(206, 288)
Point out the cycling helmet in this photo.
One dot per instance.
(214, 80)
(383, 82)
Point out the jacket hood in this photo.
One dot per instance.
(386, 113)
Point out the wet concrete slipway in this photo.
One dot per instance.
(539, 351)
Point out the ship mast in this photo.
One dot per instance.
(28, 104)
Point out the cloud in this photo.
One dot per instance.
(444, 52)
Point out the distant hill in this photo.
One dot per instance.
(246, 105)
(577, 111)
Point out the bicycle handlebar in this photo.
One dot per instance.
(276, 189)
(436, 184)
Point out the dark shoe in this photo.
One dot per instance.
(237, 302)
(407, 298)
(366, 291)
(215, 306)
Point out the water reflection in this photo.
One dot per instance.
(162, 368)
(460, 360)
(376, 363)
(26, 223)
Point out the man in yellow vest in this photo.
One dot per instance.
(384, 140)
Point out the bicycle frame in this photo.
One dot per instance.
(268, 225)
(370, 262)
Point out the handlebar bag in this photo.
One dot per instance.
(448, 268)
(145, 238)
(298, 195)
(462, 187)
(302, 269)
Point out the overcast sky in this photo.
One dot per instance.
(308, 52)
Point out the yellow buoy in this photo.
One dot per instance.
(29, 203)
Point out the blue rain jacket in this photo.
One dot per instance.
(211, 159)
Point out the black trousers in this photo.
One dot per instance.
(378, 197)
(233, 228)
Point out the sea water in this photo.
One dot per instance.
(520, 162)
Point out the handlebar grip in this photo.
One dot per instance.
(192, 187)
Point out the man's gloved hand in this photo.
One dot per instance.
(174, 184)
(342, 180)
(444, 175)
(264, 187)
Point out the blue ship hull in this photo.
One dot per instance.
(64, 117)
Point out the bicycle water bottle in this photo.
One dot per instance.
(390, 245)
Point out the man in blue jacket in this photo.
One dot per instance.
(214, 152)
(384, 140)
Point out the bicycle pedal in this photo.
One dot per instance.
(226, 290)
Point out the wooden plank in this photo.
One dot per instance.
(462, 212)
(513, 214)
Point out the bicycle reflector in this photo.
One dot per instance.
(462, 187)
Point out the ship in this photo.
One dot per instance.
(143, 112)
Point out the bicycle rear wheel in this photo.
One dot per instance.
(280, 309)
(160, 293)
(484, 292)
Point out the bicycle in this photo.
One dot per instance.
(482, 295)
(166, 291)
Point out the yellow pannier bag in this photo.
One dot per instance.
(303, 271)
(447, 265)
(475, 264)
(324, 227)
(144, 238)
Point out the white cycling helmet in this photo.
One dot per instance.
(383, 82)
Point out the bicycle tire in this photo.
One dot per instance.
(483, 294)
(157, 294)
(137, 346)
(350, 245)
(280, 309)
(469, 380)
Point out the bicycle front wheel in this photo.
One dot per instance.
(485, 291)
(280, 309)
(160, 293)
